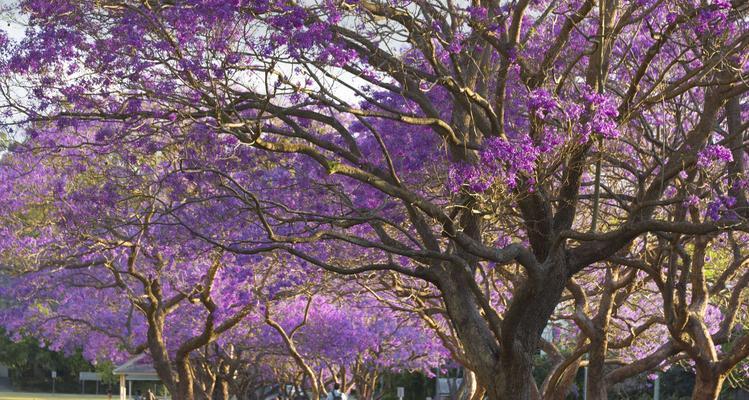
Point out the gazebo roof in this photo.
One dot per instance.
(133, 368)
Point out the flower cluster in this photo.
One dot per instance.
(720, 206)
(586, 114)
(713, 19)
(541, 103)
(714, 154)
(501, 162)
(601, 116)
(478, 13)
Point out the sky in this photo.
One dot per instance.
(10, 21)
(13, 25)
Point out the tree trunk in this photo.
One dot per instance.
(560, 386)
(221, 390)
(597, 390)
(479, 394)
(524, 322)
(597, 385)
(468, 387)
(504, 371)
(366, 386)
(599, 344)
(157, 346)
(707, 385)
(513, 378)
(185, 390)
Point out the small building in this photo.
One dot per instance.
(4, 378)
(446, 388)
(84, 377)
(134, 369)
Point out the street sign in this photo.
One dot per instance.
(54, 374)
(89, 376)
(401, 392)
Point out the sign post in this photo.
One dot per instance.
(585, 384)
(401, 392)
(54, 378)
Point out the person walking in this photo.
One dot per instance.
(336, 393)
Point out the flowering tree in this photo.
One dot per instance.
(100, 260)
(702, 282)
(351, 340)
(613, 318)
(127, 276)
(414, 135)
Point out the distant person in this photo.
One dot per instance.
(150, 395)
(138, 395)
(336, 393)
(109, 394)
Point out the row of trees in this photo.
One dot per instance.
(128, 275)
(479, 169)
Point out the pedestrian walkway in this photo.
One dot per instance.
(47, 396)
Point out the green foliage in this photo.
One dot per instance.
(677, 382)
(106, 370)
(16, 355)
(416, 386)
(31, 365)
(716, 260)
(541, 368)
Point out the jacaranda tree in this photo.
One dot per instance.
(100, 261)
(430, 138)
(351, 340)
(103, 260)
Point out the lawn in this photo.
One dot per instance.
(49, 396)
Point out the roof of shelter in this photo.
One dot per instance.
(134, 367)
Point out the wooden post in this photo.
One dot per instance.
(123, 395)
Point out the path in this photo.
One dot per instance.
(6, 395)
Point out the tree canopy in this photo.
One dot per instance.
(484, 167)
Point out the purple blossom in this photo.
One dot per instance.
(478, 13)
(455, 46)
(501, 162)
(723, 4)
(722, 205)
(712, 21)
(541, 102)
(691, 201)
(602, 115)
(714, 154)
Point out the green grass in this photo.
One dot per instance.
(50, 396)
